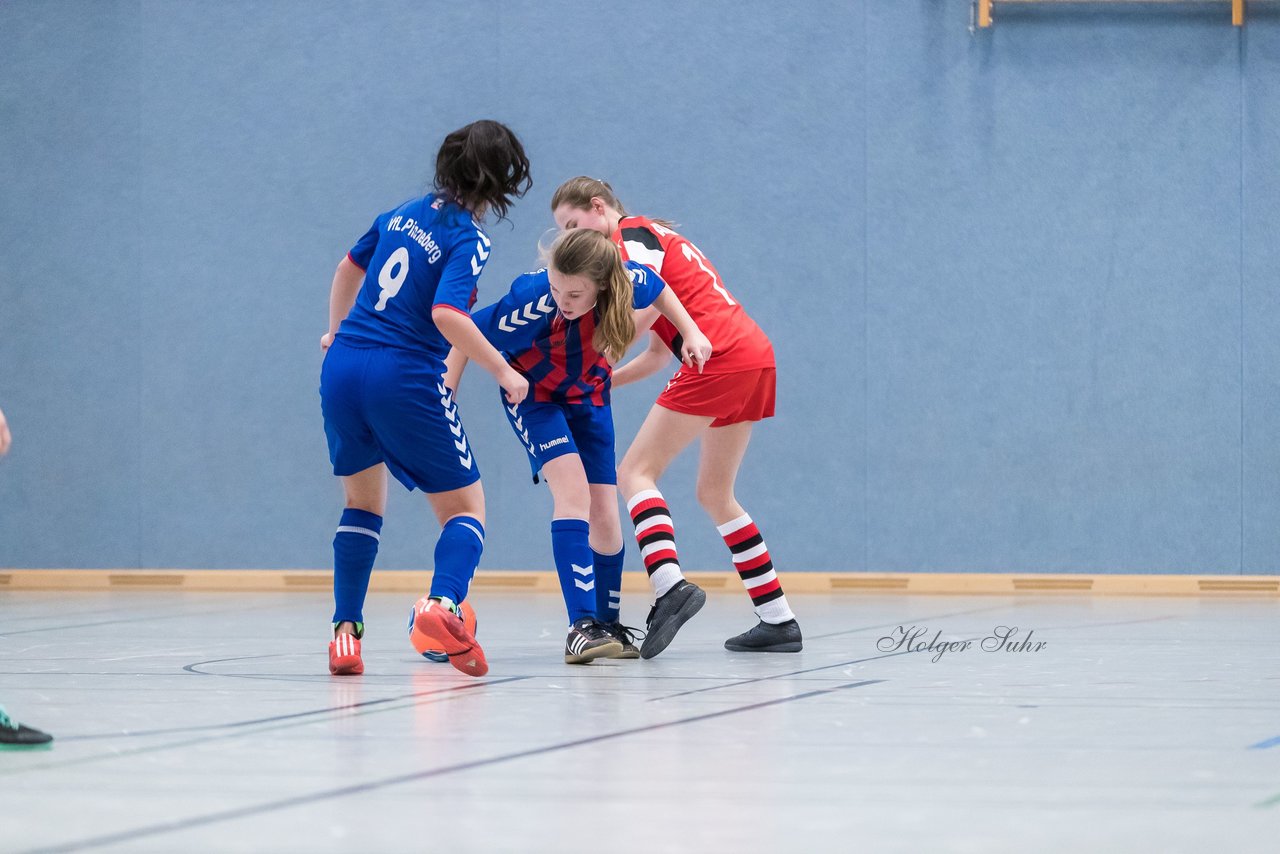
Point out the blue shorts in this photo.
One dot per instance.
(383, 405)
(550, 430)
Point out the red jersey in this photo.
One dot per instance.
(739, 344)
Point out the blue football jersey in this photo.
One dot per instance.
(557, 355)
(428, 252)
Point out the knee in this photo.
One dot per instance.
(572, 507)
(714, 498)
(626, 476)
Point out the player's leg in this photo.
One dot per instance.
(575, 565)
(662, 436)
(438, 615)
(607, 551)
(355, 548)
(723, 449)
(425, 447)
(593, 432)
(357, 460)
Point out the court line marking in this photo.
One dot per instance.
(290, 716)
(173, 745)
(736, 683)
(175, 825)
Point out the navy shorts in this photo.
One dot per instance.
(383, 405)
(550, 430)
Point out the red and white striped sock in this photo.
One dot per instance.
(755, 568)
(656, 537)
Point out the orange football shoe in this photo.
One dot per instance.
(344, 656)
(440, 622)
(430, 647)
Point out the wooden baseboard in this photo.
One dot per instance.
(411, 581)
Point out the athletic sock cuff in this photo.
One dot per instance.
(643, 495)
(353, 518)
(570, 525)
(470, 523)
(729, 527)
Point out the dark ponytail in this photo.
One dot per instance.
(483, 167)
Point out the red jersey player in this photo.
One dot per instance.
(719, 404)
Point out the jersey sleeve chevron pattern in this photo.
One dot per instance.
(521, 317)
(458, 282)
(645, 285)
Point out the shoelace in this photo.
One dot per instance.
(627, 634)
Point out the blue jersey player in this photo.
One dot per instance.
(400, 300)
(560, 327)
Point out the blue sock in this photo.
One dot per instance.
(572, 552)
(355, 546)
(457, 556)
(609, 586)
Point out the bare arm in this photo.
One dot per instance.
(695, 349)
(461, 332)
(454, 364)
(342, 295)
(648, 363)
(5, 438)
(644, 319)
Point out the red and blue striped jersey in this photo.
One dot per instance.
(556, 354)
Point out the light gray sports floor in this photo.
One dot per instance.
(208, 722)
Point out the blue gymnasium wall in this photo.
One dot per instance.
(1022, 284)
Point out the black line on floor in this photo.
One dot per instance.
(734, 684)
(831, 666)
(293, 715)
(158, 748)
(886, 655)
(374, 785)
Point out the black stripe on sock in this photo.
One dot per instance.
(748, 543)
(650, 539)
(764, 569)
(652, 568)
(768, 597)
(649, 514)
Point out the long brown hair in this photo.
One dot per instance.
(583, 252)
(578, 193)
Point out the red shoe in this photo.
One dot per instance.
(435, 620)
(344, 656)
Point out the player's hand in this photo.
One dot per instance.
(325, 340)
(514, 386)
(5, 438)
(696, 350)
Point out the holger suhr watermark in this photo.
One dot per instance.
(1001, 639)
